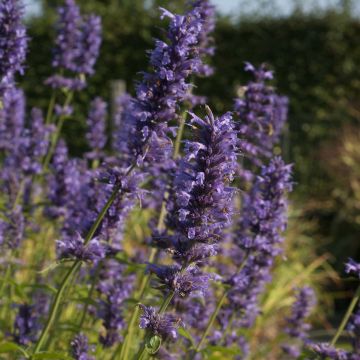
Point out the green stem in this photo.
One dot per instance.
(55, 138)
(56, 304)
(179, 136)
(345, 319)
(5, 281)
(51, 108)
(19, 195)
(72, 271)
(90, 294)
(211, 321)
(124, 348)
(218, 307)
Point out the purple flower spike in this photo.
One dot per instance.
(12, 229)
(262, 115)
(259, 237)
(203, 195)
(74, 248)
(207, 15)
(13, 42)
(90, 44)
(326, 351)
(161, 92)
(163, 325)
(181, 282)
(352, 267)
(67, 42)
(296, 327)
(354, 329)
(96, 135)
(77, 46)
(80, 348)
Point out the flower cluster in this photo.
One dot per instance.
(261, 114)
(202, 207)
(96, 135)
(77, 46)
(164, 325)
(353, 268)
(80, 348)
(214, 246)
(160, 93)
(296, 327)
(258, 237)
(13, 42)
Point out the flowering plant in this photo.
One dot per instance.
(213, 195)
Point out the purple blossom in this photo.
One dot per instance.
(115, 286)
(12, 119)
(27, 322)
(161, 92)
(352, 267)
(262, 115)
(80, 348)
(33, 145)
(63, 110)
(62, 82)
(163, 325)
(205, 47)
(12, 228)
(68, 34)
(77, 46)
(203, 195)
(90, 44)
(258, 237)
(75, 248)
(326, 351)
(96, 135)
(13, 42)
(296, 327)
(181, 282)
(353, 328)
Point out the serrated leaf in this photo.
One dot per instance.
(8, 347)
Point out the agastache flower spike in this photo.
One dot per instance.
(203, 203)
(205, 47)
(164, 325)
(115, 286)
(258, 237)
(13, 42)
(96, 135)
(77, 47)
(80, 348)
(12, 119)
(296, 326)
(354, 329)
(161, 92)
(262, 114)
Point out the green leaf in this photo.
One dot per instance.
(8, 347)
(183, 332)
(153, 345)
(51, 356)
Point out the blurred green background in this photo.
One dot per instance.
(315, 53)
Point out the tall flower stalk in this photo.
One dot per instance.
(200, 214)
